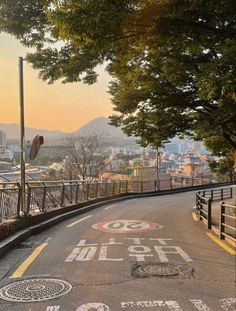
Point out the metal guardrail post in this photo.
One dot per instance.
(182, 182)
(197, 201)
(18, 210)
(62, 194)
(212, 195)
(209, 214)
(28, 199)
(97, 194)
(106, 189)
(76, 192)
(119, 187)
(113, 188)
(171, 184)
(44, 197)
(126, 186)
(87, 191)
(192, 181)
(222, 221)
(231, 193)
(222, 194)
(158, 184)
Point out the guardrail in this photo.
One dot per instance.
(42, 196)
(203, 206)
(217, 194)
(227, 221)
(204, 201)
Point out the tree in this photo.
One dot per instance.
(223, 167)
(84, 157)
(172, 61)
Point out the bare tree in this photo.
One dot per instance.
(85, 158)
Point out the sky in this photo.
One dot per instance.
(65, 107)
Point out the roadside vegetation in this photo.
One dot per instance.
(172, 62)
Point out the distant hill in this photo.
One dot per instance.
(100, 126)
(13, 132)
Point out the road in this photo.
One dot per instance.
(138, 254)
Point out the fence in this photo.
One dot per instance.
(227, 221)
(43, 196)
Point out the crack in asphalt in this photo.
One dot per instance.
(102, 284)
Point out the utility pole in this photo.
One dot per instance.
(157, 168)
(22, 135)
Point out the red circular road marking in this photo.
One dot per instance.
(126, 226)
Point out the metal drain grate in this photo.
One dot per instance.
(33, 290)
(163, 270)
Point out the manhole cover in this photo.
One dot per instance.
(33, 290)
(163, 270)
(159, 270)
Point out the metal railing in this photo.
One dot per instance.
(10, 196)
(203, 206)
(204, 201)
(227, 221)
(218, 194)
(42, 196)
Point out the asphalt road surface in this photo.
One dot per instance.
(137, 254)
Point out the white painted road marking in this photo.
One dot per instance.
(140, 252)
(126, 226)
(200, 305)
(86, 251)
(78, 221)
(93, 306)
(53, 308)
(177, 250)
(108, 207)
(171, 305)
(161, 241)
(82, 254)
(103, 255)
(226, 304)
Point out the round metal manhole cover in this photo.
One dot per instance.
(162, 270)
(159, 270)
(33, 290)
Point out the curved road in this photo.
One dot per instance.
(107, 254)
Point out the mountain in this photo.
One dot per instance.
(98, 126)
(102, 127)
(13, 132)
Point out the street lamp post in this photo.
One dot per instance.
(157, 169)
(22, 135)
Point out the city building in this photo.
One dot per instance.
(3, 139)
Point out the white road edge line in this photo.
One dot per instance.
(78, 221)
(108, 207)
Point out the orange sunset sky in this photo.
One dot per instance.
(59, 106)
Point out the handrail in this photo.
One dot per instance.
(223, 221)
(205, 198)
(45, 195)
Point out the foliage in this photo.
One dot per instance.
(223, 167)
(84, 158)
(172, 61)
